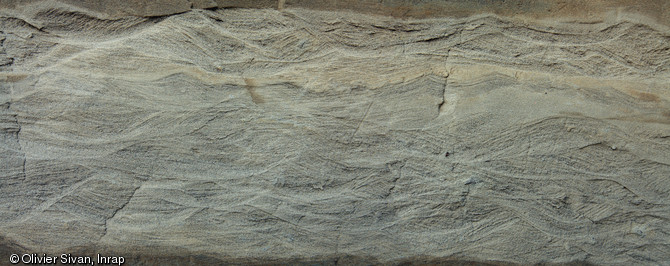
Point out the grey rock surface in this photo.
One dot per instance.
(256, 135)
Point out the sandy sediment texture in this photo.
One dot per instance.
(301, 135)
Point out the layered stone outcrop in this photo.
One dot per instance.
(336, 131)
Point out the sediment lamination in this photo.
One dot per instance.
(321, 135)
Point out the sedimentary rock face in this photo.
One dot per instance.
(295, 132)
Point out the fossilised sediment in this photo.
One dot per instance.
(303, 135)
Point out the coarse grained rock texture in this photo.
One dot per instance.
(297, 135)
